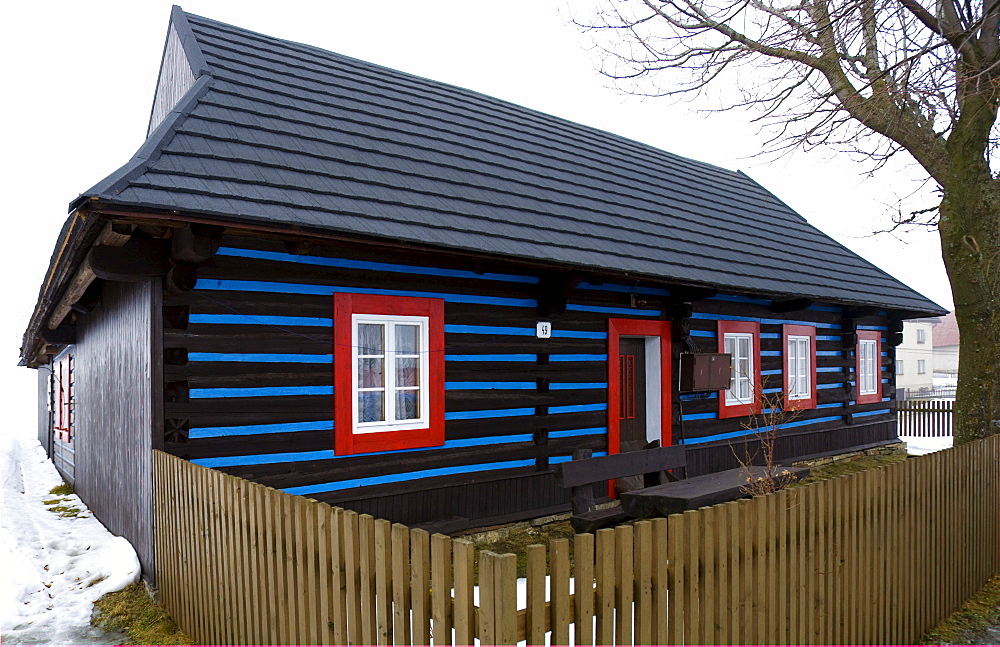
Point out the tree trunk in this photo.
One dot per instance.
(970, 243)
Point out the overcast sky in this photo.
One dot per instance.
(79, 80)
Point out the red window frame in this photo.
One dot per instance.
(345, 305)
(740, 410)
(62, 397)
(639, 328)
(788, 330)
(876, 336)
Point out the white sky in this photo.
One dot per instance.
(79, 80)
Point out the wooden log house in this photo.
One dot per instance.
(412, 300)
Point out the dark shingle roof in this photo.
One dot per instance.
(283, 133)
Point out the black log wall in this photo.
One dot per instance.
(114, 412)
(248, 379)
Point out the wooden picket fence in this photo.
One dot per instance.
(926, 418)
(876, 557)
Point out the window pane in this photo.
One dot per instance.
(370, 373)
(407, 339)
(370, 339)
(407, 371)
(744, 346)
(370, 408)
(407, 405)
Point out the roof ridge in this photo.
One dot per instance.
(192, 50)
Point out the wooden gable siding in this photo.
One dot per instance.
(114, 409)
(176, 78)
(249, 385)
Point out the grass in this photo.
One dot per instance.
(970, 624)
(850, 466)
(62, 490)
(134, 612)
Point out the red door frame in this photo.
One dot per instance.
(639, 328)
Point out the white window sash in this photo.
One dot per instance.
(868, 373)
(389, 388)
(741, 383)
(798, 365)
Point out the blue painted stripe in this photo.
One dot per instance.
(261, 320)
(825, 308)
(613, 311)
(252, 430)
(770, 335)
(570, 386)
(485, 386)
(566, 459)
(612, 287)
(406, 476)
(577, 408)
(873, 328)
(578, 358)
(489, 413)
(748, 432)
(491, 358)
(872, 413)
(700, 416)
(774, 390)
(702, 333)
(304, 288)
(569, 433)
(827, 337)
(738, 299)
(828, 353)
(264, 459)
(803, 423)
(776, 371)
(263, 358)
(260, 391)
(832, 405)
(702, 315)
(368, 265)
(770, 353)
(579, 334)
(833, 385)
(828, 369)
(521, 332)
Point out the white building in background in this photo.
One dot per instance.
(946, 345)
(915, 356)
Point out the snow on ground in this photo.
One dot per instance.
(919, 445)
(53, 567)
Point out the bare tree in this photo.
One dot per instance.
(877, 77)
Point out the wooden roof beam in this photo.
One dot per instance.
(111, 235)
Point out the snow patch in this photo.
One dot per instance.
(920, 445)
(54, 567)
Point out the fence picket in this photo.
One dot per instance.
(624, 590)
(441, 584)
(420, 585)
(535, 621)
(559, 590)
(583, 594)
(400, 570)
(383, 582)
(465, 610)
(605, 590)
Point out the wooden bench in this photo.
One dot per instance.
(581, 473)
(693, 493)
